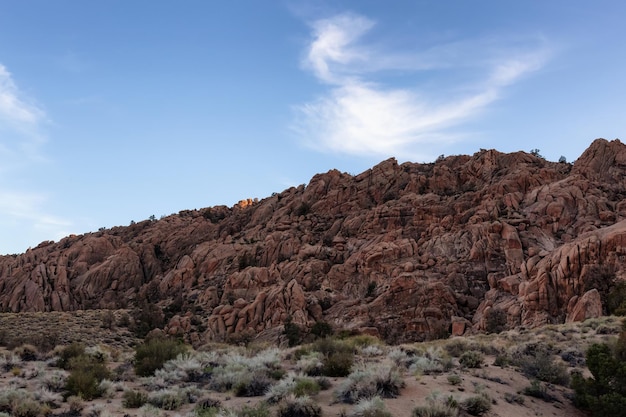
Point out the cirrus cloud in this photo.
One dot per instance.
(360, 115)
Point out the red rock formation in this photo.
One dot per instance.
(409, 252)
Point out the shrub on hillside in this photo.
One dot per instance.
(299, 407)
(68, 353)
(537, 361)
(338, 356)
(381, 380)
(134, 399)
(152, 354)
(471, 359)
(476, 405)
(86, 373)
(370, 407)
(604, 393)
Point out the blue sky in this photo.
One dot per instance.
(116, 110)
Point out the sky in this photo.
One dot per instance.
(113, 111)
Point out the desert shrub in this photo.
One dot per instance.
(27, 352)
(337, 364)
(433, 360)
(147, 317)
(186, 367)
(604, 393)
(371, 351)
(47, 397)
(310, 364)
(29, 408)
(437, 407)
(207, 407)
(108, 319)
(9, 361)
(108, 388)
(292, 384)
(471, 359)
(259, 410)
(85, 376)
(454, 379)
(69, 352)
(169, 398)
(338, 356)
(536, 361)
(538, 390)
(134, 399)
(321, 329)
(293, 332)
(11, 397)
(152, 354)
(323, 382)
(306, 387)
(253, 386)
(573, 356)
(456, 347)
(400, 357)
(502, 360)
(616, 299)
(299, 407)
(513, 398)
(370, 407)
(148, 410)
(495, 320)
(247, 375)
(382, 380)
(476, 405)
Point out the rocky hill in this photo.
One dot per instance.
(409, 252)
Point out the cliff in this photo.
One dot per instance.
(407, 251)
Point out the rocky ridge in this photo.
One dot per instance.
(405, 251)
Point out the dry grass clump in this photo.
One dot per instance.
(370, 407)
(437, 407)
(367, 382)
(247, 375)
(536, 360)
(299, 407)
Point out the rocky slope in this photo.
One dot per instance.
(409, 252)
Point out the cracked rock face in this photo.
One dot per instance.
(408, 252)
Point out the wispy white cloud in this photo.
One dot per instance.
(358, 114)
(24, 218)
(16, 112)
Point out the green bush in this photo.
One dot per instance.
(536, 361)
(85, 376)
(306, 386)
(321, 329)
(538, 390)
(471, 359)
(69, 352)
(152, 354)
(255, 386)
(604, 394)
(476, 405)
(454, 379)
(293, 332)
(134, 399)
(337, 364)
(495, 320)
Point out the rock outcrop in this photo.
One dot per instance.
(406, 251)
